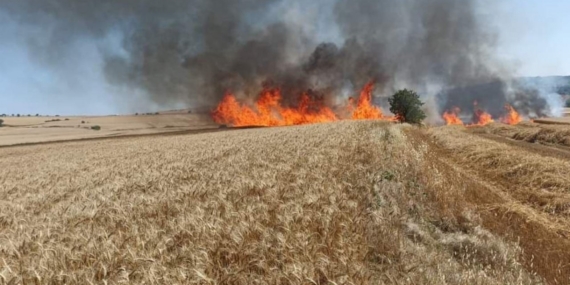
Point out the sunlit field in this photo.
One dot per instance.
(352, 202)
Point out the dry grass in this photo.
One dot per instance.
(518, 193)
(530, 132)
(517, 166)
(342, 203)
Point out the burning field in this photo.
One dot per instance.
(269, 111)
(275, 62)
(342, 195)
(481, 118)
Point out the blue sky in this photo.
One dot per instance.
(534, 35)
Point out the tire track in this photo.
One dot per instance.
(543, 238)
(539, 148)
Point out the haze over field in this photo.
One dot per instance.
(94, 57)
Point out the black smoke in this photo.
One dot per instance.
(193, 51)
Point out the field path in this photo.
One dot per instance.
(541, 148)
(507, 209)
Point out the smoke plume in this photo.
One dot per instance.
(193, 51)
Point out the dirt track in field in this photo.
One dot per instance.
(537, 219)
(540, 148)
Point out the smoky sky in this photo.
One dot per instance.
(194, 51)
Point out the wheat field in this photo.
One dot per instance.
(339, 203)
(533, 133)
(522, 190)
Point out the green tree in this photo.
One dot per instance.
(1, 122)
(407, 107)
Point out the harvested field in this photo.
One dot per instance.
(522, 195)
(26, 130)
(340, 203)
(532, 132)
(500, 160)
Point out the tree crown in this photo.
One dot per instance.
(407, 106)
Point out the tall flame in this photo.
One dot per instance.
(452, 117)
(482, 118)
(268, 111)
(364, 108)
(512, 117)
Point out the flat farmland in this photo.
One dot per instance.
(26, 130)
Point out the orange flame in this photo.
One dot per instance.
(364, 108)
(451, 117)
(267, 110)
(512, 117)
(482, 118)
